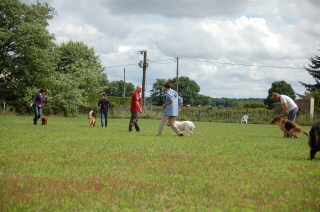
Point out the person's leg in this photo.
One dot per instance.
(136, 123)
(162, 123)
(132, 120)
(174, 127)
(106, 117)
(102, 118)
(293, 114)
(37, 114)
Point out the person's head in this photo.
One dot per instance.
(104, 94)
(43, 90)
(167, 86)
(276, 96)
(139, 88)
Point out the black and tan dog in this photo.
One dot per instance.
(44, 121)
(314, 139)
(92, 118)
(289, 127)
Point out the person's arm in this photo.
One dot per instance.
(47, 100)
(180, 102)
(138, 105)
(168, 103)
(285, 107)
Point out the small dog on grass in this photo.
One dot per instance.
(314, 139)
(184, 125)
(289, 127)
(44, 121)
(92, 118)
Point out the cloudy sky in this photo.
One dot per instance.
(231, 48)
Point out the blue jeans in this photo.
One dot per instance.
(104, 118)
(37, 113)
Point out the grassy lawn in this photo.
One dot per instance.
(68, 166)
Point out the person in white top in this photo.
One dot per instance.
(290, 108)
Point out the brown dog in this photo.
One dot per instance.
(92, 118)
(44, 121)
(288, 127)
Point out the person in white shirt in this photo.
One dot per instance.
(289, 107)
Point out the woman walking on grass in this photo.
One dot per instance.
(37, 102)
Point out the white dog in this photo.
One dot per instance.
(185, 125)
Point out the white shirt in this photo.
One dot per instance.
(291, 104)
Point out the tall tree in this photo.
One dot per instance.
(314, 71)
(79, 73)
(157, 93)
(80, 61)
(116, 88)
(202, 100)
(280, 87)
(27, 53)
(313, 90)
(188, 89)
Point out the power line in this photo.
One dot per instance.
(237, 64)
(173, 60)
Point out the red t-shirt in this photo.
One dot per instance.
(135, 97)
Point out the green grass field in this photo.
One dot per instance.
(68, 166)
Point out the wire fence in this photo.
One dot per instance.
(210, 114)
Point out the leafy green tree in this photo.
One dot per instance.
(80, 61)
(202, 100)
(280, 87)
(188, 89)
(27, 54)
(314, 71)
(79, 73)
(313, 90)
(116, 88)
(158, 93)
(67, 97)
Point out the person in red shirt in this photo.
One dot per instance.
(136, 106)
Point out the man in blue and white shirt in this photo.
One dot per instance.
(172, 107)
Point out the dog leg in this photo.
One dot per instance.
(190, 132)
(312, 154)
(284, 134)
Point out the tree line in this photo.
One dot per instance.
(74, 75)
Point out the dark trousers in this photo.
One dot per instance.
(134, 121)
(293, 114)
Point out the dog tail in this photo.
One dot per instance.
(304, 133)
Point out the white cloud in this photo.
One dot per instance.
(270, 33)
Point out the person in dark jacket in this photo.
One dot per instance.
(37, 103)
(104, 104)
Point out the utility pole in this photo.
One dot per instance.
(177, 76)
(144, 76)
(124, 82)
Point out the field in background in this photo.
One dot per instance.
(68, 166)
